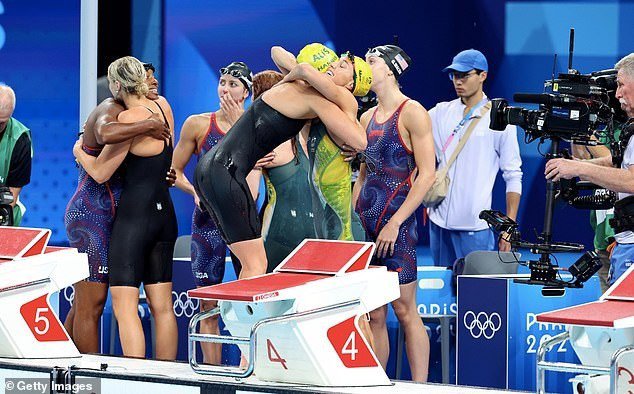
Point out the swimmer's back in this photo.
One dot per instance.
(295, 100)
(143, 145)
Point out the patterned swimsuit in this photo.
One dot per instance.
(390, 165)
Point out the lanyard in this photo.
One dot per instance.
(461, 124)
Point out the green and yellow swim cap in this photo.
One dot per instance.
(362, 74)
(317, 55)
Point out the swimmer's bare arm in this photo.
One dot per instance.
(254, 177)
(356, 190)
(110, 131)
(253, 181)
(338, 123)
(102, 167)
(167, 108)
(324, 85)
(283, 59)
(184, 150)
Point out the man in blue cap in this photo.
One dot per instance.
(475, 153)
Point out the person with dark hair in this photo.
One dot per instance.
(144, 230)
(398, 171)
(90, 213)
(199, 134)
(455, 229)
(277, 116)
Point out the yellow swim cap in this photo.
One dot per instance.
(362, 75)
(317, 55)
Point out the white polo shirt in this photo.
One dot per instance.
(473, 173)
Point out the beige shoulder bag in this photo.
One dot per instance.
(438, 191)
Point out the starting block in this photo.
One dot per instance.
(300, 324)
(29, 273)
(602, 335)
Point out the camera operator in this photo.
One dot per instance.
(600, 171)
(15, 152)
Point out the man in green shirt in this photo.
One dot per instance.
(15, 152)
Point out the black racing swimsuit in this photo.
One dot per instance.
(220, 178)
(144, 230)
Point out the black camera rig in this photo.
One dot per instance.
(543, 272)
(6, 210)
(575, 107)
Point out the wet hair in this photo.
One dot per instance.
(130, 73)
(263, 81)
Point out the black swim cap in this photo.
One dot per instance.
(148, 67)
(395, 58)
(241, 71)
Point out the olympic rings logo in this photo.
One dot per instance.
(183, 305)
(69, 294)
(482, 324)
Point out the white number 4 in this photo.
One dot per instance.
(350, 346)
(39, 317)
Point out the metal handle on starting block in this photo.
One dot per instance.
(614, 361)
(237, 372)
(25, 285)
(543, 366)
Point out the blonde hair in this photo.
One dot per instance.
(130, 73)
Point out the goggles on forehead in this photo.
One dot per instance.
(234, 72)
(348, 55)
(374, 52)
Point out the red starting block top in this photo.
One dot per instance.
(328, 257)
(598, 314)
(17, 242)
(51, 249)
(622, 289)
(254, 289)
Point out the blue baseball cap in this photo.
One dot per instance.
(467, 61)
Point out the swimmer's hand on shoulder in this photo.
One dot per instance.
(157, 128)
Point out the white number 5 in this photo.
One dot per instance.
(39, 317)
